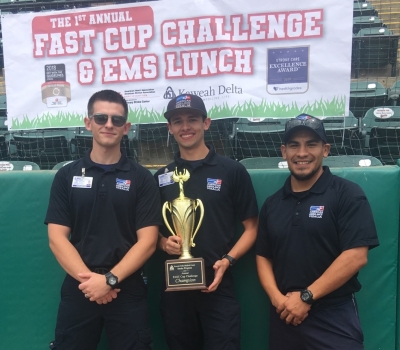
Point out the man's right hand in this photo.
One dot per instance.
(172, 245)
(108, 298)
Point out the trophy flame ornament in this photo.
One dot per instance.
(183, 215)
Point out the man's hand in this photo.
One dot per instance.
(173, 245)
(219, 267)
(108, 298)
(295, 310)
(95, 286)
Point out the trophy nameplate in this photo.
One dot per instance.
(185, 273)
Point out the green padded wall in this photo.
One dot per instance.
(32, 277)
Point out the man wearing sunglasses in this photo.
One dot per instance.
(103, 219)
(313, 238)
(207, 319)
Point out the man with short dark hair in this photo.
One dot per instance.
(313, 238)
(207, 319)
(103, 219)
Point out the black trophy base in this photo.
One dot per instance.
(185, 274)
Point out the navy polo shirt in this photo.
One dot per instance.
(303, 233)
(225, 188)
(104, 217)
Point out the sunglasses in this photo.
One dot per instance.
(313, 123)
(102, 119)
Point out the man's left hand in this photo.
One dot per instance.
(295, 310)
(219, 267)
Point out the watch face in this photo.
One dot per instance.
(305, 296)
(112, 280)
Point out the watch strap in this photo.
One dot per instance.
(231, 260)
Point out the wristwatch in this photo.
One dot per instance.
(111, 280)
(307, 296)
(231, 260)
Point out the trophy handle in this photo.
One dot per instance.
(167, 205)
(199, 203)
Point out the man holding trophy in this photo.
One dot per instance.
(204, 194)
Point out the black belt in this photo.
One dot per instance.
(332, 301)
(100, 270)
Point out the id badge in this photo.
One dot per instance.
(165, 179)
(82, 182)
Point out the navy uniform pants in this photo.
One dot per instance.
(194, 320)
(330, 325)
(80, 321)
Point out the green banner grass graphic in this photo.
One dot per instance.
(321, 108)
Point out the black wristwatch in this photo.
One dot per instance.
(230, 259)
(111, 280)
(307, 296)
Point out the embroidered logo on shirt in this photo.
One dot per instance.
(214, 184)
(316, 211)
(123, 184)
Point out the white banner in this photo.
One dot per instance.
(245, 58)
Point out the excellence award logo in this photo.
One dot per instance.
(287, 69)
(56, 91)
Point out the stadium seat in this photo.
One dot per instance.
(343, 134)
(381, 126)
(12, 165)
(38, 148)
(258, 137)
(374, 48)
(331, 161)
(264, 163)
(365, 95)
(58, 166)
(351, 161)
(363, 9)
(366, 22)
(394, 93)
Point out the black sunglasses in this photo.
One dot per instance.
(101, 119)
(313, 123)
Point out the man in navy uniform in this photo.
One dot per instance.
(103, 220)
(208, 319)
(314, 235)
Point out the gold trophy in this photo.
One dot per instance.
(186, 272)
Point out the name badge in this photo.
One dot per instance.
(165, 179)
(82, 182)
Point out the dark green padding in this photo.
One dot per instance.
(31, 277)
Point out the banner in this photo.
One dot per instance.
(247, 58)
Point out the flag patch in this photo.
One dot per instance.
(123, 184)
(214, 184)
(316, 211)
